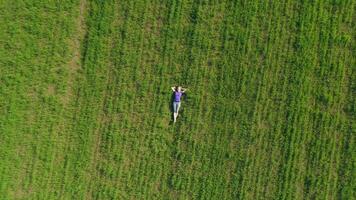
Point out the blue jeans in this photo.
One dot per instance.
(176, 106)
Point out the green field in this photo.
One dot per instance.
(85, 99)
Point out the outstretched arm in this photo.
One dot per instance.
(174, 89)
(184, 89)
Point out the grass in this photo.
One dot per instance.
(85, 108)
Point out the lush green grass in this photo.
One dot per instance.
(85, 99)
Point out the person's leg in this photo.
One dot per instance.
(174, 107)
(178, 106)
(174, 111)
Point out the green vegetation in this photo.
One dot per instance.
(85, 99)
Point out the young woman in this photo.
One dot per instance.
(178, 91)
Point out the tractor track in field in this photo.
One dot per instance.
(73, 67)
(75, 64)
(97, 137)
(103, 120)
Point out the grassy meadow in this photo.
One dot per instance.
(85, 99)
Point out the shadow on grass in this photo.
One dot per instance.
(170, 106)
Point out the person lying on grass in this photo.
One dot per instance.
(178, 91)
